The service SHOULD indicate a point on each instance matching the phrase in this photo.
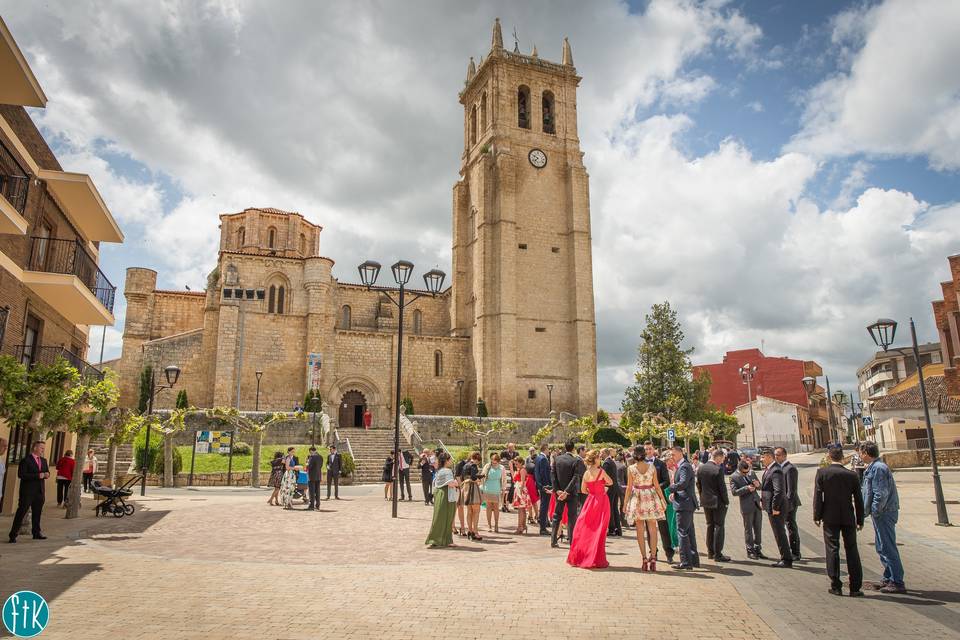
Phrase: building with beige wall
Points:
(518, 316)
(51, 225)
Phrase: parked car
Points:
(754, 454)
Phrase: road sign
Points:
(867, 421)
(671, 435)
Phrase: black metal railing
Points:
(4, 314)
(31, 355)
(69, 257)
(14, 181)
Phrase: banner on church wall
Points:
(314, 363)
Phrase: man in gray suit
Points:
(683, 494)
(334, 465)
(745, 484)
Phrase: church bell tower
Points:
(523, 271)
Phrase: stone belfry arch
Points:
(522, 260)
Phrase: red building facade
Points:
(778, 378)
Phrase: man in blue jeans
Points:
(881, 501)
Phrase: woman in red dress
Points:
(589, 537)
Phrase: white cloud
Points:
(901, 93)
(685, 91)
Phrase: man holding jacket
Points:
(745, 485)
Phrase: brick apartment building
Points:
(946, 313)
(51, 225)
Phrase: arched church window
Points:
(523, 107)
(483, 112)
(278, 289)
(549, 117)
(438, 363)
(473, 125)
(303, 244)
(241, 237)
(271, 238)
(280, 298)
(345, 319)
(417, 322)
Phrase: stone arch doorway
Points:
(352, 406)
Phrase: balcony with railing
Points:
(31, 355)
(14, 183)
(884, 375)
(69, 280)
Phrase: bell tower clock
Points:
(522, 261)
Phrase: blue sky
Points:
(782, 172)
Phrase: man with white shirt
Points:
(791, 478)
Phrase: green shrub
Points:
(145, 378)
(240, 448)
(408, 405)
(182, 402)
(312, 402)
(156, 453)
(609, 434)
(347, 465)
(463, 454)
(482, 408)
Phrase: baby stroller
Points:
(300, 493)
(112, 498)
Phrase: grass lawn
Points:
(216, 463)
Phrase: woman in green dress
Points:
(671, 513)
(445, 497)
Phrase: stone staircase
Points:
(124, 457)
(370, 449)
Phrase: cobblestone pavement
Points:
(219, 563)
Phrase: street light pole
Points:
(834, 433)
(433, 279)
(259, 375)
(460, 397)
(550, 401)
(747, 373)
(883, 332)
(172, 373)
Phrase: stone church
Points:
(516, 326)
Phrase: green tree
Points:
(312, 402)
(146, 375)
(182, 402)
(483, 430)
(256, 426)
(481, 408)
(121, 427)
(663, 382)
(86, 407)
(407, 404)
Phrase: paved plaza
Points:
(219, 563)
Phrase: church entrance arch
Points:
(352, 406)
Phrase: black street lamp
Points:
(550, 399)
(259, 375)
(172, 374)
(883, 332)
(460, 399)
(747, 374)
(433, 280)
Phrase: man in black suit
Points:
(404, 476)
(714, 500)
(334, 467)
(745, 485)
(542, 475)
(32, 471)
(774, 499)
(314, 473)
(838, 505)
(663, 479)
(613, 494)
(791, 478)
(565, 477)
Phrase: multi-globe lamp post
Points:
(433, 282)
(883, 332)
(172, 374)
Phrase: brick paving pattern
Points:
(219, 563)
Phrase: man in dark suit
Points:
(745, 485)
(774, 498)
(568, 470)
(314, 474)
(613, 494)
(791, 478)
(838, 506)
(684, 497)
(715, 500)
(541, 474)
(32, 471)
(663, 479)
(334, 467)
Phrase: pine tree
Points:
(145, 376)
(663, 382)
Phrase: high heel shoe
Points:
(653, 564)
(646, 565)
(470, 535)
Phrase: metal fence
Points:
(69, 257)
(918, 443)
(14, 181)
(31, 355)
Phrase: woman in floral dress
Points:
(645, 505)
(289, 483)
(277, 467)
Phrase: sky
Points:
(782, 172)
